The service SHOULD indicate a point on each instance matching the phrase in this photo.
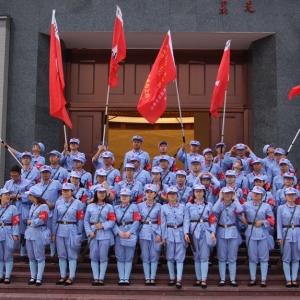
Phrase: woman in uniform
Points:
(150, 233)
(259, 217)
(288, 235)
(226, 209)
(200, 222)
(172, 215)
(67, 230)
(9, 234)
(37, 235)
(125, 230)
(98, 221)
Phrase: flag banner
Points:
(153, 100)
(221, 82)
(56, 77)
(294, 92)
(118, 51)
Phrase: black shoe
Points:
(126, 282)
(203, 284)
(95, 283)
(233, 283)
(61, 281)
(221, 283)
(31, 281)
(289, 284)
(152, 282)
(197, 283)
(263, 284)
(38, 282)
(121, 282)
(252, 283)
(171, 283)
(6, 281)
(295, 284)
(24, 260)
(1, 280)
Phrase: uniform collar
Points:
(179, 188)
(67, 201)
(103, 204)
(137, 151)
(5, 206)
(44, 183)
(199, 203)
(126, 205)
(171, 205)
(26, 170)
(131, 182)
(290, 206)
(147, 204)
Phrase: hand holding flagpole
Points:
(11, 153)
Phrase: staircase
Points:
(82, 288)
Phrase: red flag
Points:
(221, 82)
(153, 100)
(56, 77)
(118, 51)
(294, 91)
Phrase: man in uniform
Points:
(187, 158)
(18, 186)
(113, 175)
(270, 158)
(37, 148)
(163, 150)
(28, 172)
(144, 156)
(257, 164)
(167, 177)
(139, 174)
(240, 150)
(57, 172)
(209, 166)
(193, 177)
(97, 160)
(86, 177)
(67, 156)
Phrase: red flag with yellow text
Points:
(221, 82)
(118, 51)
(56, 77)
(153, 100)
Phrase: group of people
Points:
(208, 205)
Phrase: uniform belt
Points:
(94, 223)
(174, 226)
(124, 223)
(150, 222)
(291, 226)
(200, 221)
(65, 223)
(5, 224)
(226, 226)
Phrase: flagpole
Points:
(12, 154)
(293, 142)
(65, 133)
(181, 124)
(223, 121)
(105, 116)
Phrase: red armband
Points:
(80, 215)
(137, 216)
(84, 198)
(159, 220)
(38, 180)
(294, 172)
(111, 216)
(165, 194)
(89, 184)
(117, 179)
(15, 220)
(65, 180)
(148, 167)
(212, 219)
(215, 192)
(297, 187)
(251, 163)
(271, 220)
(242, 201)
(139, 198)
(190, 198)
(174, 168)
(43, 215)
(245, 192)
(38, 166)
(221, 175)
(297, 201)
(271, 202)
(113, 192)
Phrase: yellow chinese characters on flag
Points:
(153, 100)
